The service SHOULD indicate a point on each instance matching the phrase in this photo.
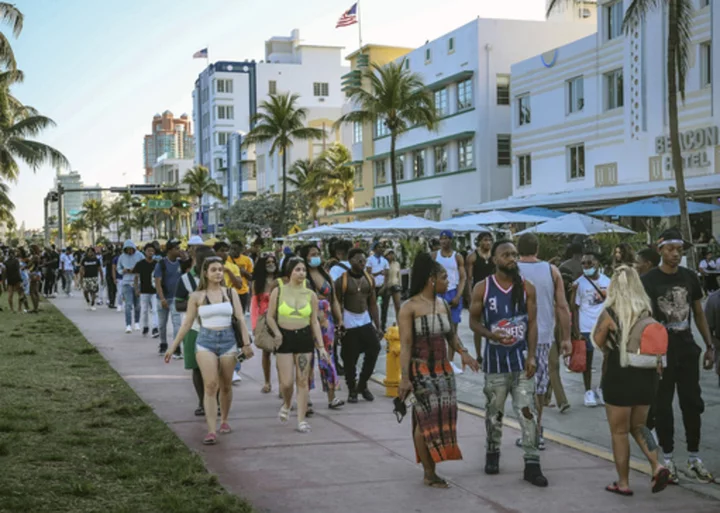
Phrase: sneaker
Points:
(455, 368)
(119, 308)
(100, 302)
(590, 400)
(92, 309)
(137, 326)
(367, 395)
(162, 349)
(672, 468)
(696, 470)
(492, 463)
(128, 329)
(564, 407)
(352, 398)
(155, 333)
(145, 331)
(533, 474)
(599, 397)
(236, 378)
(88, 307)
(177, 356)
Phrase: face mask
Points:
(589, 272)
(315, 261)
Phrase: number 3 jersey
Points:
(500, 314)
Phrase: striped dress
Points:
(435, 412)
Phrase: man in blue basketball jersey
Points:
(504, 312)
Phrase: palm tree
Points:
(142, 218)
(341, 179)
(679, 39)
(6, 204)
(12, 16)
(399, 99)
(95, 215)
(198, 178)
(308, 177)
(117, 211)
(281, 122)
(76, 229)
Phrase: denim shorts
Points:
(219, 342)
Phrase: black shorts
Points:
(296, 341)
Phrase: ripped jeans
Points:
(522, 390)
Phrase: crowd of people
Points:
(331, 307)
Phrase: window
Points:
(399, 167)
(249, 171)
(428, 56)
(441, 163)
(451, 45)
(357, 132)
(704, 3)
(222, 138)
(441, 102)
(321, 89)
(380, 172)
(705, 64)
(614, 19)
(523, 103)
(272, 87)
(524, 170)
(407, 63)
(503, 89)
(504, 151)
(224, 86)
(576, 156)
(359, 176)
(225, 112)
(575, 95)
(465, 154)
(419, 164)
(381, 130)
(219, 163)
(614, 89)
(465, 94)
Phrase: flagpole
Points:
(359, 26)
(207, 55)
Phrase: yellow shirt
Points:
(233, 269)
(246, 264)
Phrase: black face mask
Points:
(400, 410)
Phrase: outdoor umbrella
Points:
(318, 232)
(575, 224)
(542, 212)
(654, 207)
(406, 225)
(493, 217)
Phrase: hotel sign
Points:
(694, 145)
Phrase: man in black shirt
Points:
(478, 266)
(91, 276)
(676, 296)
(145, 290)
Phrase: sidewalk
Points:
(358, 459)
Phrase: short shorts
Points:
(219, 342)
(455, 313)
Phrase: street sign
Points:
(159, 203)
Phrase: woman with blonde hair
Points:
(628, 390)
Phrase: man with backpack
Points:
(167, 275)
(676, 297)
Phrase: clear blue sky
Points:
(101, 68)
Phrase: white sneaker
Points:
(599, 397)
(92, 308)
(455, 368)
(137, 326)
(236, 378)
(696, 470)
(128, 329)
(88, 308)
(590, 401)
(119, 308)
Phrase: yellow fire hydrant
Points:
(392, 363)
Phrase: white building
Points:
(589, 119)
(242, 173)
(468, 157)
(170, 171)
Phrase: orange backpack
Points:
(647, 343)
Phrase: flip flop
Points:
(660, 480)
(613, 488)
(266, 389)
(436, 482)
(284, 414)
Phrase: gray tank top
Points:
(540, 275)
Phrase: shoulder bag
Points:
(265, 339)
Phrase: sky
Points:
(102, 69)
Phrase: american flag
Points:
(348, 18)
(201, 54)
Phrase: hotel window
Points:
(451, 45)
(503, 89)
(380, 172)
(321, 89)
(225, 112)
(381, 129)
(272, 87)
(441, 159)
(523, 105)
(575, 95)
(614, 20)
(705, 64)
(399, 167)
(441, 102)
(359, 176)
(504, 151)
(614, 89)
(428, 56)
(219, 164)
(224, 86)
(524, 170)
(576, 158)
(465, 154)
(419, 164)
(407, 63)
(222, 138)
(357, 132)
(465, 94)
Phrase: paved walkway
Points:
(358, 459)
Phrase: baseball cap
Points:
(446, 233)
(195, 240)
(172, 244)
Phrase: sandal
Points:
(436, 482)
(199, 412)
(614, 488)
(660, 480)
(336, 404)
(224, 428)
(284, 413)
(304, 427)
(210, 439)
(266, 389)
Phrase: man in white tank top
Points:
(455, 267)
(551, 304)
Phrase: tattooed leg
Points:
(302, 372)
(643, 436)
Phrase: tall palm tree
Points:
(117, 211)
(281, 122)
(677, 61)
(308, 177)
(174, 215)
(75, 230)
(399, 99)
(142, 219)
(6, 204)
(341, 175)
(198, 178)
(95, 215)
(10, 15)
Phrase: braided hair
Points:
(518, 285)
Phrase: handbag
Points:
(265, 339)
(235, 323)
(577, 361)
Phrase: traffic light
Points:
(138, 202)
(181, 204)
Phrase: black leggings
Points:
(356, 341)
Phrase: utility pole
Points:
(61, 215)
(45, 217)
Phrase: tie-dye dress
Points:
(328, 373)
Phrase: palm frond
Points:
(12, 16)
(637, 12)
(7, 56)
(35, 154)
(30, 126)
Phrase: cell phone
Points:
(241, 357)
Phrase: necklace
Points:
(357, 282)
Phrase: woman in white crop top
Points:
(215, 348)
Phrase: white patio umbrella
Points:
(402, 225)
(576, 224)
(316, 233)
(493, 217)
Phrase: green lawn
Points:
(75, 438)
